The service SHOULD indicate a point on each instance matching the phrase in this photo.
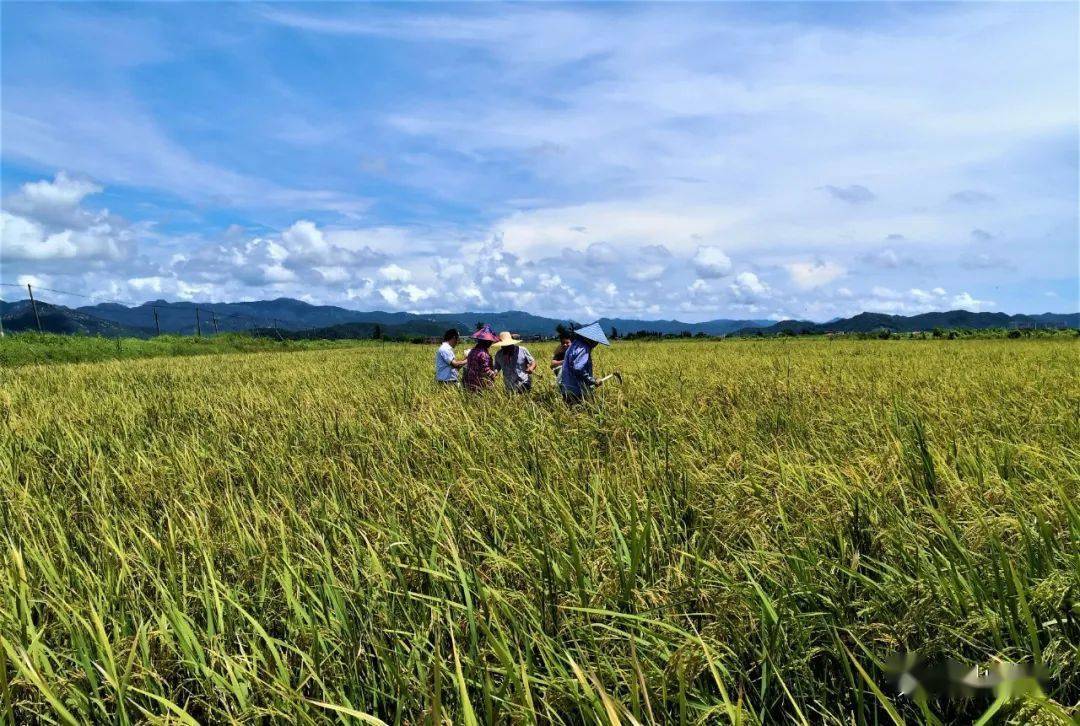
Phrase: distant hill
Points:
(289, 314)
(295, 318)
(953, 319)
(19, 316)
(674, 327)
(179, 317)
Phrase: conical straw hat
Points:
(593, 332)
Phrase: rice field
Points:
(744, 532)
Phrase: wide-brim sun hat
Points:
(485, 333)
(506, 339)
(593, 332)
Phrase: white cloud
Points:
(334, 274)
(748, 288)
(390, 295)
(612, 228)
(34, 280)
(647, 273)
(305, 238)
(154, 284)
(55, 200)
(910, 302)
(43, 221)
(395, 273)
(810, 275)
(277, 273)
(417, 294)
(966, 302)
(920, 295)
(711, 262)
(549, 281)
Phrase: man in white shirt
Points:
(446, 364)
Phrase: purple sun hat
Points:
(485, 333)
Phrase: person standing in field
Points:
(446, 363)
(560, 352)
(479, 367)
(515, 362)
(577, 381)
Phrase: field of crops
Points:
(744, 531)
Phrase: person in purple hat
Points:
(479, 367)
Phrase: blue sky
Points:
(688, 161)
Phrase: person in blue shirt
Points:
(577, 380)
(446, 363)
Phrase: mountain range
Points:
(287, 314)
(296, 318)
(953, 319)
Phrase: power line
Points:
(256, 322)
(267, 324)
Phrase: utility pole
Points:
(198, 323)
(33, 304)
(157, 323)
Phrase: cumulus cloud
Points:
(395, 273)
(612, 227)
(53, 202)
(416, 269)
(390, 295)
(965, 301)
(45, 221)
(748, 288)
(810, 275)
(924, 296)
(918, 300)
(417, 294)
(852, 194)
(903, 302)
(711, 262)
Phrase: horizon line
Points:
(771, 321)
